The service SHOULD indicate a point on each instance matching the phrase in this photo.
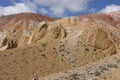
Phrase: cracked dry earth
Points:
(105, 69)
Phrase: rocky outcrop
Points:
(69, 30)
(43, 30)
(90, 41)
(8, 40)
(3, 45)
(50, 47)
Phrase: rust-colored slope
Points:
(23, 20)
(111, 18)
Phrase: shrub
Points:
(112, 66)
(94, 50)
(86, 49)
(97, 73)
(103, 68)
(43, 55)
(44, 44)
(75, 76)
(118, 61)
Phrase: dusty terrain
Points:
(104, 69)
(72, 48)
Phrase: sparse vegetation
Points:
(118, 61)
(112, 66)
(61, 48)
(75, 76)
(26, 62)
(24, 49)
(77, 42)
(86, 49)
(44, 45)
(62, 56)
(94, 49)
(97, 73)
(43, 55)
(40, 50)
(103, 68)
(5, 55)
(11, 53)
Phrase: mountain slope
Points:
(53, 46)
(104, 69)
(23, 20)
